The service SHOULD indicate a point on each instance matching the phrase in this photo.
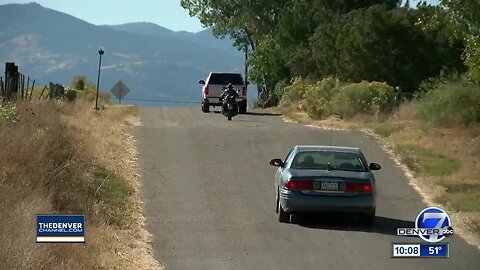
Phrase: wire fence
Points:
(15, 85)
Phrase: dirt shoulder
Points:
(441, 163)
(65, 158)
(129, 246)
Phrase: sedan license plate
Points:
(329, 186)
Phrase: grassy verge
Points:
(67, 158)
(427, 161)
(443, 159)
(387, 129)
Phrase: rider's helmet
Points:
(230, 86)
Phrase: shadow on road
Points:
(263, 114)
(344, 222)
(254, 113)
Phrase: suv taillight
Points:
(205, 90)
(299, 185)
(244, 91)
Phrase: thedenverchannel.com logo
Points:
(432, 225)
(60, 229)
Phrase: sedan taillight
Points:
(358, 187)
(299, 185)
(206, 90)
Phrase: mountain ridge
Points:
(151, 29)
(54, 46)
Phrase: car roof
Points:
(215, 72)
(343, 149)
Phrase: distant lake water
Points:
(142, 102)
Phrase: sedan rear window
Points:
(226, 78)
(319, 160)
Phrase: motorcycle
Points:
(229, 107)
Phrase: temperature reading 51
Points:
(434, 250)
(415, 250)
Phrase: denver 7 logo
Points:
(437, 220)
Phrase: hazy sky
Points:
(167, 13)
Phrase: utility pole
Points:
(100, 52)
(246, 65)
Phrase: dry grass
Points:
(441, 160)
(53, 161)
(293, 113)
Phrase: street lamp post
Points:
(100, 52)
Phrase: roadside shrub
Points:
(318, 98)
(364, 98)
(294, 92)
(90, 95)
(8, 113)
(450, 104)
(256, 105)
(71, 95)
(280, 89)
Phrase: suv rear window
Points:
(225, 78)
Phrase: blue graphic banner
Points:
(61, 228)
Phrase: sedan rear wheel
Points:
(278, 203)
(369, 219)
(283, 217)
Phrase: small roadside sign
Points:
(120, 90)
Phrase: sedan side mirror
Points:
(375, 166)
(201, 82)
(276, 162)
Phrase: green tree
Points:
(269, 65)
(383, 44)
(296, 25)
(448, 36)
(323, 46)
(245, 21)
(467, 14)
(300, 20)
(355, 40)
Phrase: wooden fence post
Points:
(23, 85)
(28, 86)
(21, 79)
(31, 92)
(2, 89)
(41, 95)
(7, 88)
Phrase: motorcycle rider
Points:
(229, 90)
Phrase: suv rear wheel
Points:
(205, 107)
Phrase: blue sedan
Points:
(316, 178)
